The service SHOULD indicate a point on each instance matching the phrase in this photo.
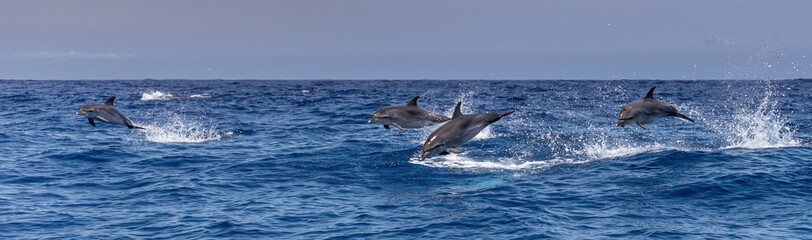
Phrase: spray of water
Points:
(759, 126)
(177, 129)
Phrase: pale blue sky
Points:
(414, 39)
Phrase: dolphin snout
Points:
(371, 121)
(424, 156)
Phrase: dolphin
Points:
(647, 110)
(105, 113)
(406, 116)
(460, 130)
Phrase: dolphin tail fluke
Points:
(507, 113)
(679, 115)
(136, 127)
(494, 119)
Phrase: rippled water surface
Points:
(264, 159)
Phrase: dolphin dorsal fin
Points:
(413, 102)
(110, 101)
(457, 111)
(650, 93)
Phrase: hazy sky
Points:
(407, 39)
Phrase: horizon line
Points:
(392, 79)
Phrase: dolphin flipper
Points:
(399, 127)
(386, 126)
(455, 150)
(642, 126)
(91, 122)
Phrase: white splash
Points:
(178, 130)
(759, 127)
(156, 95)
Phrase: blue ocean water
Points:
(263, 159)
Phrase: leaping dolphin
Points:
(408, 116)
(647, 110)
(460, 130)
(105, 113)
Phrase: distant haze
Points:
(411, 39)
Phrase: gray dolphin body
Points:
(105, 113)
(407, 116)
(460, 130)
(647, 110)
